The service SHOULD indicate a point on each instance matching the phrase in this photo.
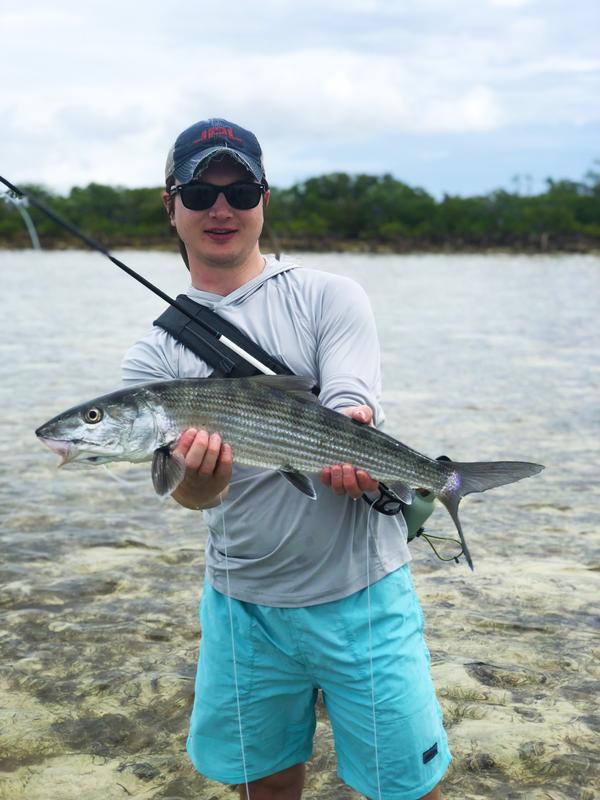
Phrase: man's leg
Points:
(284, 785)
(404, 752)
(434, 794)
(288, 785)
(265, 727)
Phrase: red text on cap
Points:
(212, 133)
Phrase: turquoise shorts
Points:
(283, 656)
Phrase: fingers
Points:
(204, 453)
(184, 442)
(366, 482)
(344, 479)
(225, 463)
(362, 413)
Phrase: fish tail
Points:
(478, 476)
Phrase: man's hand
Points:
(344, 478)
(208, 462)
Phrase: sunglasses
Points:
(199, 196)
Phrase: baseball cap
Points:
(196, 145)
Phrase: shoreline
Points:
(340, 246)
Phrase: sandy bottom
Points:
(99, 639)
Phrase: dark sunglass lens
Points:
(201, 196)
(243, 195)
(198, 196)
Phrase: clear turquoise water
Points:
(484, 357)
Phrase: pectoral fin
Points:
(299, 481)
(167, 471)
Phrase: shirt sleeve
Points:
(348, 353)
(148, 360)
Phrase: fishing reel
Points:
(389, 504)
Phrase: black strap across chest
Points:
(204, 334)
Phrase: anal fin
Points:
(402, 492)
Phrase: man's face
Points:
(220, 236)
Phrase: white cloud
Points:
(510, 3)
(97, 91)
(477, 109)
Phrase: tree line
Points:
(339, 211)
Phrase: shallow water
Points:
(484, 357)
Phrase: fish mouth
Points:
(62, 448)
(73, 455)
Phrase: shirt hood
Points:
(216, 301)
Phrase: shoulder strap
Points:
(217, 341)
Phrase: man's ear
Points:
(267, 197)
(169, 205)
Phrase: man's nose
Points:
(220, 207)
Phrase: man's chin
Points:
(223, 259)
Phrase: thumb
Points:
(363, 414)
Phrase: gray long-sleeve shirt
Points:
(284, 549)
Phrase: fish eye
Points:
(93, 415)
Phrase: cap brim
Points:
(196, 163)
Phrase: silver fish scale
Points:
(272, 429)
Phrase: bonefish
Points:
(273, 422)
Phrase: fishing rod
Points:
(386, 495)
(95, 245)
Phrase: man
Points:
(299, 595)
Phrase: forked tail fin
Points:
(478, 476)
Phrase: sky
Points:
(453, 96)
